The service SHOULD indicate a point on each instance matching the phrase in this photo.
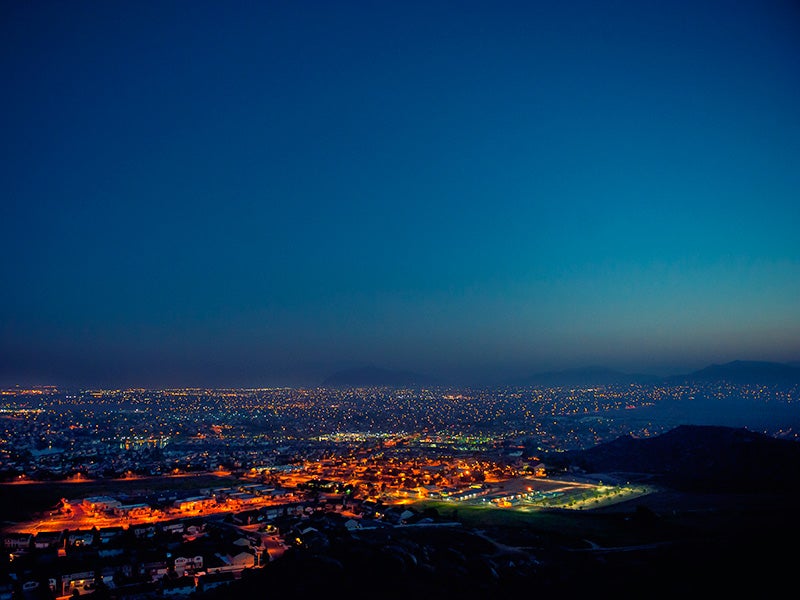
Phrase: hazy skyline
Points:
(205, 194)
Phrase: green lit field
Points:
(560, 518)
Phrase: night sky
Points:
(261, 193)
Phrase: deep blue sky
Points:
(211, 193)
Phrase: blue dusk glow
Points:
(205, 193)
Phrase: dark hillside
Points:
(698, 457)
(676, 543)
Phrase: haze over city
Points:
(264, 194)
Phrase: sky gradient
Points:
(197, 193)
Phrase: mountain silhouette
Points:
(743, 372)
(747, 372)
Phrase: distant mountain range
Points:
(743, 372)
(372, 376)
(697, 457)
(736, 372)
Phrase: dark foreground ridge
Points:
(721, 530)
(715, 511)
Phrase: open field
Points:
(524, 527)
(661, 516)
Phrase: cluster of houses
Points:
(226, 499)
(184, 555)
(152, 559)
